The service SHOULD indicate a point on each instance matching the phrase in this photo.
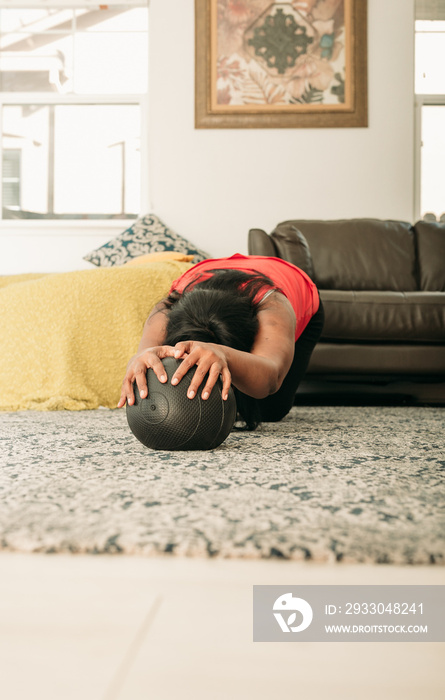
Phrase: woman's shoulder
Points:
(275, 302)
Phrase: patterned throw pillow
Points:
(146, 235)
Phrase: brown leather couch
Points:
(383, 289)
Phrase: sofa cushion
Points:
(359, 254)
(367, 359)
(293, 247)
(414, 317)
(431, 253)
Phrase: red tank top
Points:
(295, 284)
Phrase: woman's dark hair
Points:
(220, 309)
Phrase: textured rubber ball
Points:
(168, 420)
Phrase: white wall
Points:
(57, 247)
(212, 185)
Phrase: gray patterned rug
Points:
(353, 484)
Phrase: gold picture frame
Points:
(295, 64)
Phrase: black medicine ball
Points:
(168, 420)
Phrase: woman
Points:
(253, 320)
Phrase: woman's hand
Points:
(208, 358)
(137, 371)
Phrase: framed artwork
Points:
(264, 64)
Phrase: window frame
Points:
(54, 98)
(421, 101)
(51, 98)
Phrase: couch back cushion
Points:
(292, 246)
(431, 253)
(358, 254)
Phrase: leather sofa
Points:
(382, 284)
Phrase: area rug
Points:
(345, 484)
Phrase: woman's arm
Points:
(149, 354)
(262, 371)
(257, 373)
(155, 327)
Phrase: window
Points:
(430, 109)
(73, 92)
(11, 178)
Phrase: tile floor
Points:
(129, 628)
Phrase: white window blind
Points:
(430, 10)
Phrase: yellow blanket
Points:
(65, 339)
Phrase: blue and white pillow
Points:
(147, 235)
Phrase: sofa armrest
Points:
(260, 243)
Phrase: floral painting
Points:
(298, 57)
